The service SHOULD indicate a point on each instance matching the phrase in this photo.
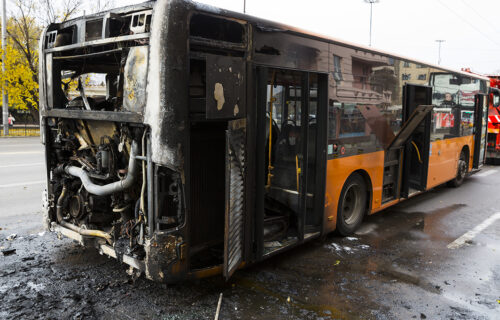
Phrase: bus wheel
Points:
(461, 171)
(352, 205)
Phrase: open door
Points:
(480, 129)
(416, 150)
(409, 126)
(235, 196)
(291, 157)
(394, 161)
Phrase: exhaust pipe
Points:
(109, 188)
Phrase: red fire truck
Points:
(493, 146)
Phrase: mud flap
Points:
(235, 193)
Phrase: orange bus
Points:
(199, 140)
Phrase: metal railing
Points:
(22, 130)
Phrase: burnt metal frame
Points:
(304, 124)
(261, 100)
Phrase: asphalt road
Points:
(435, 256)
(22, 171)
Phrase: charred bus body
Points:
(216, 139)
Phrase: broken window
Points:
(209, 27)
(93, 30)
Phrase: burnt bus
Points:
(187, 141)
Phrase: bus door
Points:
(394, 164)
(480, 129)
(291, 157)
(416, 149)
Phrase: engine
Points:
(96, 179)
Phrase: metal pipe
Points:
(5, 95)
(109, 188)
(59, 204)
(86, 232)
(150, 188)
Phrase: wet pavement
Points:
(398, 266)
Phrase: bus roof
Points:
(272, 25)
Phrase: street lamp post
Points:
(244, 6)
(5, 98)
(371, 2)
(439, 50)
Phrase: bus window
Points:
(349, 130)
(453, 95)
(496, 99)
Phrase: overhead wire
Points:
(467, 22)
(479, 15)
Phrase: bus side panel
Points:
(443, 159)
(337, 172)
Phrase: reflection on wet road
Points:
(398, 266)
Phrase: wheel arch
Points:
(466, 150)
(369, 187)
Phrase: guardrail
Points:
(22, 130)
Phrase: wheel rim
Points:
(461, 169)
(351, 204)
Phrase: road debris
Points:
(7, 249)
(12, 237)
(218, 307)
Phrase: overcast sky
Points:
(470, 28)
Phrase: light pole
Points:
(371, 2)
(439, 50)
(5, 98)
(244, 6)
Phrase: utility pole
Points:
(439, 50)
(5, 97)
(371, 2)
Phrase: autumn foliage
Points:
(27, 19)
(21, 79)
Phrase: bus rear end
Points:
(93, 93)
(139, 163)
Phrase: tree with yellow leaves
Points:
(22, 82)
(21, 63)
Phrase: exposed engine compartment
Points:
(97, 182)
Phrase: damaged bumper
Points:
(162, 261)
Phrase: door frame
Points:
(260, 83)
(410, 103)
(480, 118)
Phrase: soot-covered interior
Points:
(207, 172)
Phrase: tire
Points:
(461, 172)
(352, 205)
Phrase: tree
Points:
(22, 84)
(59, 11)
(24, 29)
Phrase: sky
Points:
(403, 27)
